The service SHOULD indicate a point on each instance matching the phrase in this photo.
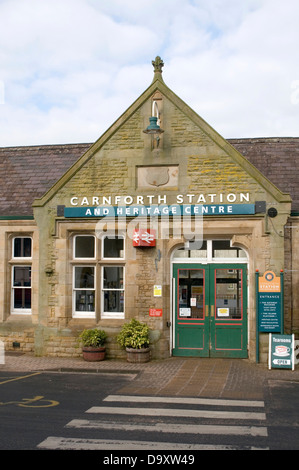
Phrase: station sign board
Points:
(269, 303)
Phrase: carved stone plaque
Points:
(157, 176)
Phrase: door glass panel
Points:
(199, 253)
(222, 249)
(228, 294)
(191, 293)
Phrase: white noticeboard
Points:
(185, 312)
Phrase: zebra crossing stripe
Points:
(176, 429)
(68, 443)
(202, 410)
(186, 413)
(184, 400)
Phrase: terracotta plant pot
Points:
(138, 355)
(91, 353)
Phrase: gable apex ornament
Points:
(158, 64)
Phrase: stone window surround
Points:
(11, 262)
(98, 262)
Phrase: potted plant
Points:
(134, 338)
(93, 348)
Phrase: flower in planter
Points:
(93, 337)
(93, 348)
(134, 335)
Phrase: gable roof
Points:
(29, 172)
(33, 175)
(159, 85)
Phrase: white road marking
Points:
(214, 414)
(175, 429)
(184, 400)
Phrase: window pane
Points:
(84, 246)
(22, 276)
(113, 301)
(22, 247)
(222, 249)
(84, 277)
(113, 277)
(191, 293)
(113, 247)
(201, 252)
(193, 253)
(228, 293)
(21, 298)
(85, 301)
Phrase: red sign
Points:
(144, 237)
(155, 312)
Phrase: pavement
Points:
(175, 376)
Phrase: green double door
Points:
(210, 303)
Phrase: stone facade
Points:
(206, 166)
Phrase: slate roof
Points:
(278, 160)
(26, 173)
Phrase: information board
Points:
(269, 312)
(281, 351)
(269, 303)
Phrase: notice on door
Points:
(185, 312)
(222, 312)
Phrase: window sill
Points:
(84, 315)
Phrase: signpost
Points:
(281, 351)
(269, 304)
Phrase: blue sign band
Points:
(160, 210)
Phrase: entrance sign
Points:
(281, 351)
(269, 303)
(269, 312)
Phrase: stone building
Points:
(161, 219)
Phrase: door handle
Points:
(212, 311)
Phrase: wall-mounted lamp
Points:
(154, 128)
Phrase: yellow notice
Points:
(157, 291)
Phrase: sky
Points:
(70, 68)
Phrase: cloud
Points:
(69, 68)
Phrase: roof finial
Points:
(158, 64)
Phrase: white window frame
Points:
(20, 311)
(83, 313)
(104, 314)
(209, 259)
(74, 247)
(20, 262)
(112, 236)
(13, 248)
